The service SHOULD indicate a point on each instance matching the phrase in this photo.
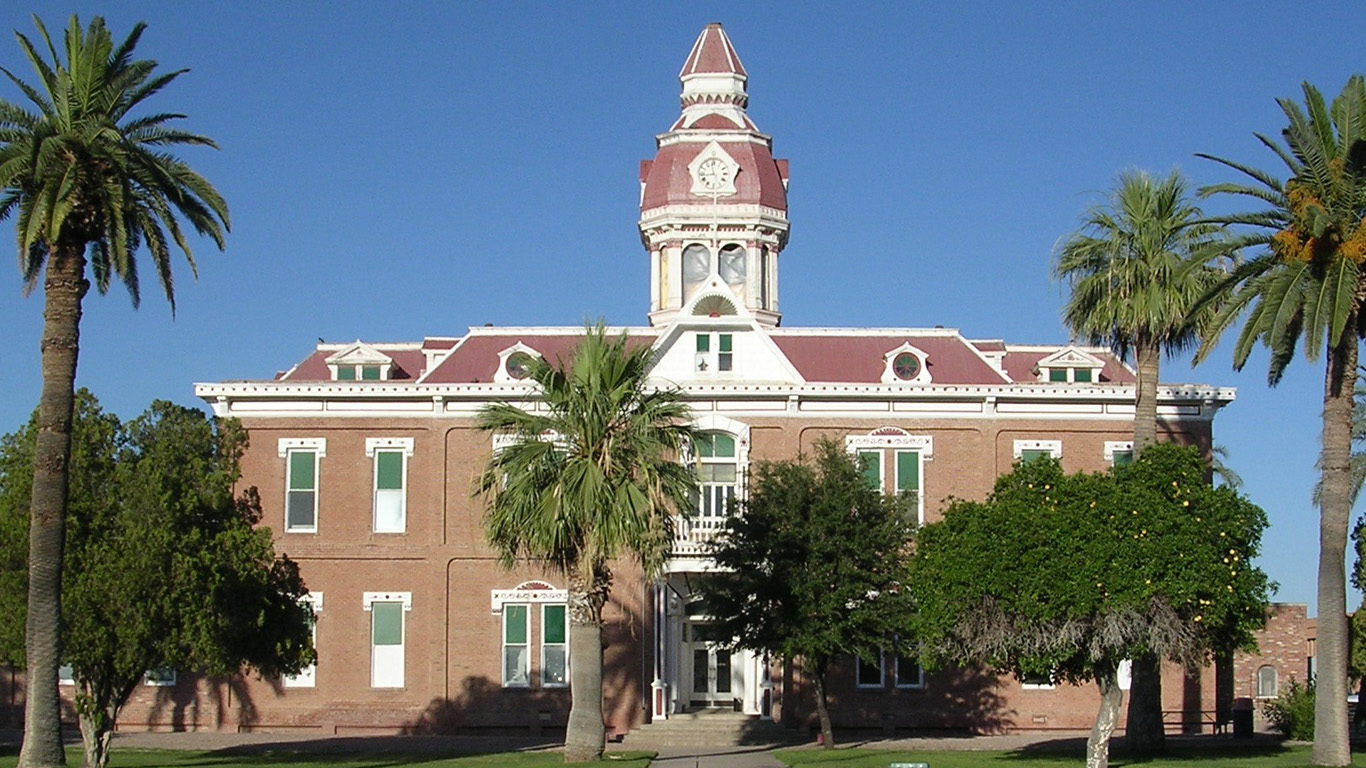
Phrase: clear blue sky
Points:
(398, 170)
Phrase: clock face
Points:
(713, 173)
(696, 264)
(732, 266)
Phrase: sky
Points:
(410, 169)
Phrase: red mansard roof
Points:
(860, 359)
(1022, 364)
(476, 359)
(408, 365)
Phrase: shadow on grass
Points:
(1179, 750)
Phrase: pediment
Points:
(359, 353)
(1071, 357)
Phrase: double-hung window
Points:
(715, 352)
(301, 457)
(905, 478)
(307, 677)
(908, 671)
(390, 456)
(387, 631)
(518, 647)
(1033, 450)
(554, 645)
(718, 472)
(870, 673)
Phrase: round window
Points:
(906, 366)
(519, 365)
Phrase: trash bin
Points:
(1242, 718)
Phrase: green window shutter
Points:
(724, 342)
(553, 631)
(703, 342)
(1028, 456)
(706, 445)
(514, 624)
(723, 446)
(1057, 374)
(389, 470)
(369, 372)
(870, 464)
(1123, 458)
(907, 471)
(1082, 374)
(346, 373)
(387, 623)
(301, 470)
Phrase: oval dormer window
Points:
(906, 366)
(519, 365)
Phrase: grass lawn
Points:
(159, 758)
(1272, 756)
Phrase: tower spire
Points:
(713, 201)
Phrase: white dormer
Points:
(514, 363)
(906, 364)
(360, 362)
(1070, 365)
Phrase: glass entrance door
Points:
(711, 670)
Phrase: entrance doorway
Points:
(712, 678)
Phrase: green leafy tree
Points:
(1069, 575)
(89, 183)
(1133, 280)
(593, 475)
(165, 567)
(814, 567)
(1305, 283)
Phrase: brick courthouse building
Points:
(364, 455)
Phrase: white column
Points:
(659, 692)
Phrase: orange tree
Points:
(1068, 575)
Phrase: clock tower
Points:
(713, 201)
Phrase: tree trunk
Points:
(822, 706)
(1111, 699)
(1331, 745)
(97, 731)
(1144, 733)
(1147, 357)
(586, 736)
(63, 289)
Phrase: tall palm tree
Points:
(1132, 287)
(89, 184)
(592, 476)
(1306, 283)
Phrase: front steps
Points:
(710, 728)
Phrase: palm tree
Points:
(88, 185)
(592, 476)
(1133, 289)
(1305, 281)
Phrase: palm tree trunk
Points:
(586, 736)
(1331, 745)
(1143, 732)
(1147, 356)
(1111, 699)
(63, 290)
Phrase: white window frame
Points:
(709, 363)
(288, 446)
(896, 674)
(565, 645)
(1041, 686)
(159, 677)
(1113, 447)
(308, 676)
(404, 447)
(881, 668)
(887, 441)
(405, 599)
(1275, 682)
(1053, 447)
(504, 645)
